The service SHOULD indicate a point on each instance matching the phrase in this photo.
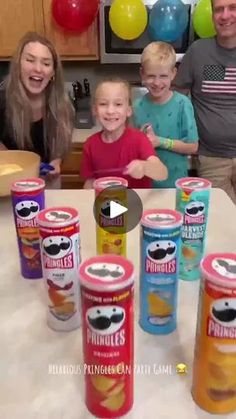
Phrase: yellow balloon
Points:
(128, 18)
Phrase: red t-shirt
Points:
(100, 156)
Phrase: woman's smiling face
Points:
(36, 68)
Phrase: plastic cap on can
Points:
(161, 218)
(106, 273)
(193, 183)
(28, 185)
(220, 269)
(57, 216)
(109, 181)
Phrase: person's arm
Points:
(147, 164)
(2, 119)
(184, 78)
(171, 144)
(3, 147)
(188, 141)
(155, 169)
(152, 168)
(88, 184)
(56, 163)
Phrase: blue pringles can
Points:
(160, 246)
(192, 200)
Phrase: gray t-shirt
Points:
(209, 71)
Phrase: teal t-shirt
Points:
(173, 119)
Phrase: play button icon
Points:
(117, 209)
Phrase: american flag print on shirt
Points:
(219, 79)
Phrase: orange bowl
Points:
(16, 165)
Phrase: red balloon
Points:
(75, 15)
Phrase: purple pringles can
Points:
(27, 201)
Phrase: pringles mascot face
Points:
(105, 320)
(162, 251)
(27, 210)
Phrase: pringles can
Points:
(160, 245)
(192, 200)
(107, 288)
(27, 200)
(110, 231)
(214, 367)
(59, 231)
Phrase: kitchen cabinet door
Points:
(17, 18)
(69, 44)
(70, 171)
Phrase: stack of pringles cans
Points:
(100, 290)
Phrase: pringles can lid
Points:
(161, 218)
(58, 217)
(106, 273)
(193, 183)
(108, 182)
(220, 269)
(27, 185)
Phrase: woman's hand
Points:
(57, 168)
(135, 169)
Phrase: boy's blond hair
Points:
(158, 53)
(115, 80)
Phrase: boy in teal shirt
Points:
(166, 116)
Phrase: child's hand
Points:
(151, 136)
(144, 127)
(135, 169)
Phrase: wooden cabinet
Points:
(18, 17)
(70, 177)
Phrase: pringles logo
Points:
(105, 325)
(26, 212)
(105, 213)
(194, 213)
(56, 252)
(222, 320)
(194, 221)
(161, 257)
(105, 322)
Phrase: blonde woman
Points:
(35, 111)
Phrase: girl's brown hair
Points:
(58, 111)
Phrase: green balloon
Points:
(202, 19)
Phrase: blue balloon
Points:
(168, 20)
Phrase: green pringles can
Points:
(192, 200)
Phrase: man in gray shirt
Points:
(208, 70)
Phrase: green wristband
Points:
(166, 143)
(171, 145)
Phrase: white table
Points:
(28, 347)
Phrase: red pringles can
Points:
(60, 254)
(27, 201)
(107, 286)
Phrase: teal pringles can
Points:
(159, 247)
(192, 200)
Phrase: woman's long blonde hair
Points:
(58, 111)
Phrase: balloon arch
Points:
(128, 19)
